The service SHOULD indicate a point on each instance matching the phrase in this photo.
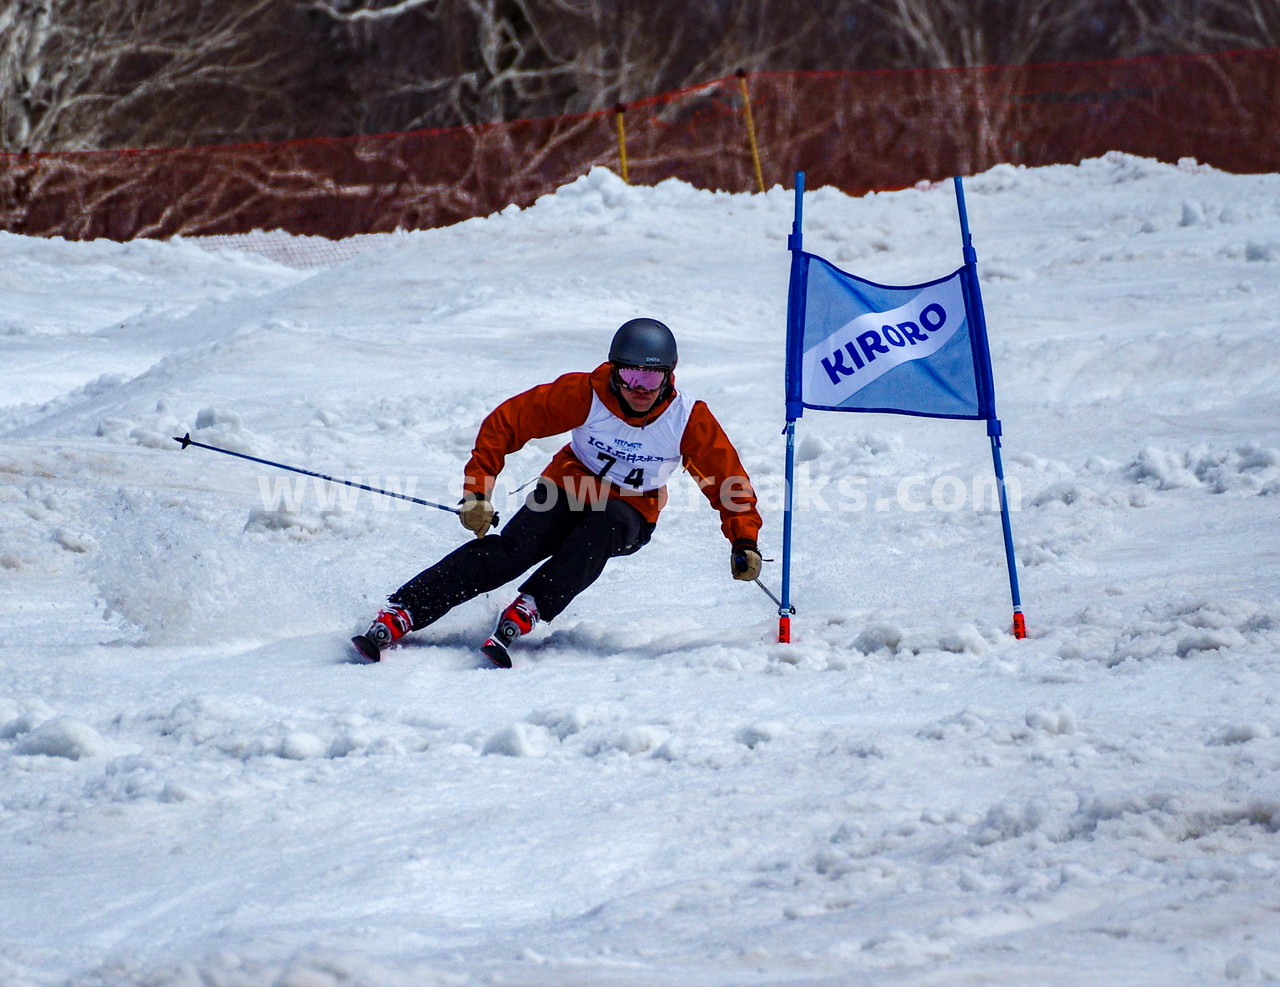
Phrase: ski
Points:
(367, 648)
(496, 652)
(492, 649)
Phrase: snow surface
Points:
(200, 788)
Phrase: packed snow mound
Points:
(201, 786)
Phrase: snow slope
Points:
(199, 786)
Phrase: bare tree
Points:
(85, 74)
(670, 45)
(423, 63)
(451, 62)
(1192, 26)
(955, 33)
(82, 74)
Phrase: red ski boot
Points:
(387, 628)
(518, 619)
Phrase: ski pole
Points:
(187, 440)
(769, 593)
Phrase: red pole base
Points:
(784, 630)
(1019, 625)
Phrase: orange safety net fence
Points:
(857, 131)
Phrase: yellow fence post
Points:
(619, 113)
(751, 129)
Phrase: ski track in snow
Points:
(201, 788)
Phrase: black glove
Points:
(744, 559)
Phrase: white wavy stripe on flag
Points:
(869, 346)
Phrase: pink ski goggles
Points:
(639, 379)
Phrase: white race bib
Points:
(640, 459)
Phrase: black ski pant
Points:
(572, 541)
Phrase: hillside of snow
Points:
(199, 786)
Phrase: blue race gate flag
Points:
(906, 350)
(921, 349)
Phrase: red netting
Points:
(855, 130)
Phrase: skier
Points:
(599, 497)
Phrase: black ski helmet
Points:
(643, 343)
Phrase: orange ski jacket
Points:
(565, 403)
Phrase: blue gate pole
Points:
(795, 333)
(1019, 621)
(785, 610)
(987, 397)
